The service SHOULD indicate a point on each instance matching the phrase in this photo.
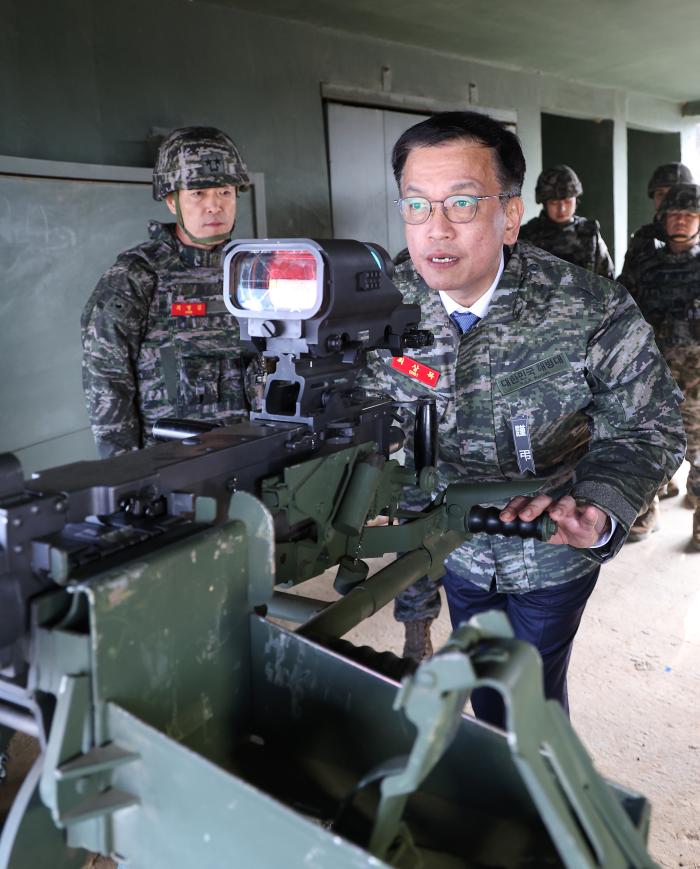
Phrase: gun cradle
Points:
(176, 720)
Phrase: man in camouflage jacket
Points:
(562, 232)
(667, 290)
(157, 339)
(558, 375)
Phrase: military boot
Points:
(418, 645)
(670, 490)
(695, 539)
(645, 524)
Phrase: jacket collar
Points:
(193, 257)
(523, 293)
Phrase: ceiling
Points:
(634, 45)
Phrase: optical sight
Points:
(316, 307)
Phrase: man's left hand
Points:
(579, 524)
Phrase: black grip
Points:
(425, 435)
(485, 520)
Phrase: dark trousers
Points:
(547, 617)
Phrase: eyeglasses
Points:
(461, 208)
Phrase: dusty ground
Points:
(634, 681)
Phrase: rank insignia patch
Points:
(188, 309)
(415, 370)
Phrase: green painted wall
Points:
(586, 146)
(85, 80)
(646, 151)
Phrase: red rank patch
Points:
(416, 370)
(188, 309)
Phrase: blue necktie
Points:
(464, 320)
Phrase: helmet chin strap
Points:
(209, 239)
(683, 237)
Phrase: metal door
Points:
(363, 190)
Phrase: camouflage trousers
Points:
(684, 363)
(691, 421)
(419, 601)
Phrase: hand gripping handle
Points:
(485, 520)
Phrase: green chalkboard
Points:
(57, 236)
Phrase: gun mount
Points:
(176, 719)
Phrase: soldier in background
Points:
(559, 230)
(644, 244)
(645, 241)
(667, 290)
(157, 339)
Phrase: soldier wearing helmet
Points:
(663, 178)
(647, 239)
(157, 340)
(559, 230)
(668, 294)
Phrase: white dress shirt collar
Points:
(481, 306)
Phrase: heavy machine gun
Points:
(180, 726)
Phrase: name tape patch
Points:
(415, 370)
(188, 309)
(557, 363)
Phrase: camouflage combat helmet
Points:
(558, 182)
(681, 197)
(667, 175)
(193, 158)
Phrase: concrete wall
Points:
(85, 80)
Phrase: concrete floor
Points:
(634, 679)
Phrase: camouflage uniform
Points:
(157, 339)
(647, 240)
(145, 358)
(642, 250)
(667, 291)
(579, 241)
(571, 352)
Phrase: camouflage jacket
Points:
(578, 242)
(571, 352)
(642, 249)
(668, 294)
(158, 341)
